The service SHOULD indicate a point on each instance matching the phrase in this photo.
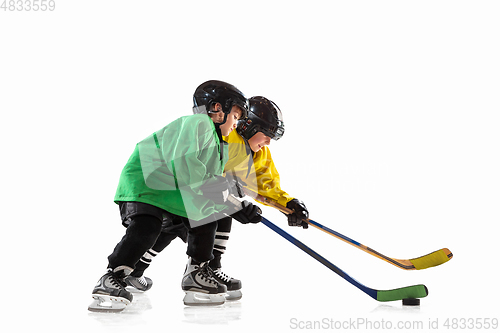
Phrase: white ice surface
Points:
(391, 112)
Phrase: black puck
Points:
(411, 301)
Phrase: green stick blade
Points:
(418, 291)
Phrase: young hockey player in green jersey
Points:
(175, 175)
(250, 164)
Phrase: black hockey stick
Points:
(412, 292)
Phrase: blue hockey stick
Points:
(417, 291)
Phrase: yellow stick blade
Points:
(432, 259)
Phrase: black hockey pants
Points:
(171, 232)
(144, 232)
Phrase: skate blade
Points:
(233, 295)
(200, 299)
(103, 303)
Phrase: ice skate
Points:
(142, 283)
(233, 285)
(200, 286)
(110, 294)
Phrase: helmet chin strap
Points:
(223, 122)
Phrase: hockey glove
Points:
(216, 189)
(300, 213)
(249, 213)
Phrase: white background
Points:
(392, 135)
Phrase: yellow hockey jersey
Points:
(257, 173)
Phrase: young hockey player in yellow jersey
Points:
(250, 166)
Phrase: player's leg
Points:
(110, 294)
(137, 279)
(198, 281)
(221, 238)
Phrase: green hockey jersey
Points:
(168, 168)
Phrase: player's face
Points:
(231, 121)
(258, 140)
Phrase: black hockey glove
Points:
(216, 189)
(300, 213)
(249, 213)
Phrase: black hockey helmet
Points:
(213, 91)
(263, 116)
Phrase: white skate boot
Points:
(109, 294)
(200, 286)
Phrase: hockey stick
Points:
(429, 260)
(412, 292)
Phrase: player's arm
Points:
(268, 184)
